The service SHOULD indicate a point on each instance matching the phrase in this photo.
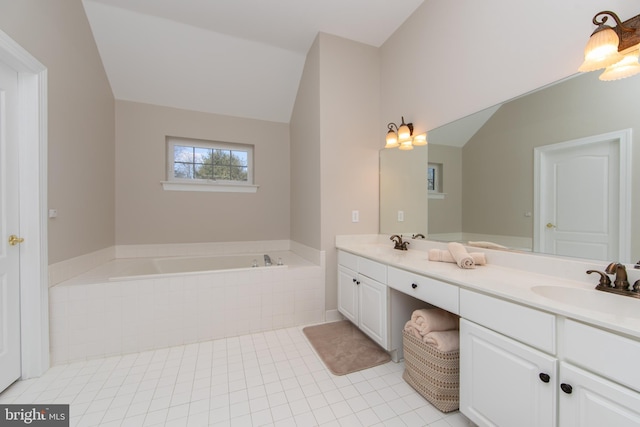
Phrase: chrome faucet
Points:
(267, 260)
(398, 243)
(620, 284)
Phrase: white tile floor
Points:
(270, 378)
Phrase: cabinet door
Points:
(373, 310)
(594, 401)
(500, 381)
(348, 294)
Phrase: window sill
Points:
(210, 186)
(436, 195)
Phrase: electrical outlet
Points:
(400, 216)
(355, 216)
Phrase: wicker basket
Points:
(432, 373)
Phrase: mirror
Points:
(486, 163)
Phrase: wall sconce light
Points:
(402, 136)
(615, 49)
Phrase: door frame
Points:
(623, 138)
(32, 142)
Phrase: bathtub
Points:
(137, 268)
(138, 304)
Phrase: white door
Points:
(9, 226)
(580, 200)
(503, 382)
(592, 401)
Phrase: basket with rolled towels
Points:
(431, 346)
(458, 254)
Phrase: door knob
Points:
(549, 225)
(14, 240)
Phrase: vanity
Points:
(539, 346)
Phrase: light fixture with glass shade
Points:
(402, 136)
(613, 48)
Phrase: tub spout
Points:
(267, 260)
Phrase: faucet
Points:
(620, 284)
(398, 243)
(419, 235)
(620, 281)
(267, 260)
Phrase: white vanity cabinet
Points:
(363, 295)
(608, 394)
(506, 381)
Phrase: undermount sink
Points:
(591, 299)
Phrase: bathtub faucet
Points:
(267, 260)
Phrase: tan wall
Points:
(497, 162)
(305, 154)
(81, 122)
(445, 215)
(350, 141)
(403, 187)
(147, 214)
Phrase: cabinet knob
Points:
(544, 377)
(358, 282)
(354, 280)
(566, 388)
(414, 285)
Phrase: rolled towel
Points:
(433, 319)
(444, 255)
(460, 254)
(443, 340)
(412, 328)
(487, 245)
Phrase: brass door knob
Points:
(549, 225)
(14, 240)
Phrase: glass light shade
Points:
(392, 140)
(601, 50)
(406, 145)
(627, 67)
(420, 139)
(404, 133)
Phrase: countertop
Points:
(514, 277)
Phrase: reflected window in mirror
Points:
(434, 179)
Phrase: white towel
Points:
(460, 254)
(443, 340)
(433, 319)
(443, 255)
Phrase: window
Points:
(198, 165)
(434, 180)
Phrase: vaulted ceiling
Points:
(240, 58)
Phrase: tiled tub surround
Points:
(93, 316)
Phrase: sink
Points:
(591, 299)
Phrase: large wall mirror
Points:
(572, 147)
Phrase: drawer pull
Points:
(566, 388)
(414, 285)
(544, 377)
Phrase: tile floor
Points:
(270, 378)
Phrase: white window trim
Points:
(181, 184)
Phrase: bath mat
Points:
(344, 348)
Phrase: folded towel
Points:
(413, 329)
(443, 340)
(444, 255)
(487, 245)
(433, 319)
(460, 254)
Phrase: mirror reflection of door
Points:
(581, 187)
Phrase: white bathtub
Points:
(138, 304)
(138, 268)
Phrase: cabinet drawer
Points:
(429, 290)
(524, 324)
(348, 260)
(605, 353)
(373, 270)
